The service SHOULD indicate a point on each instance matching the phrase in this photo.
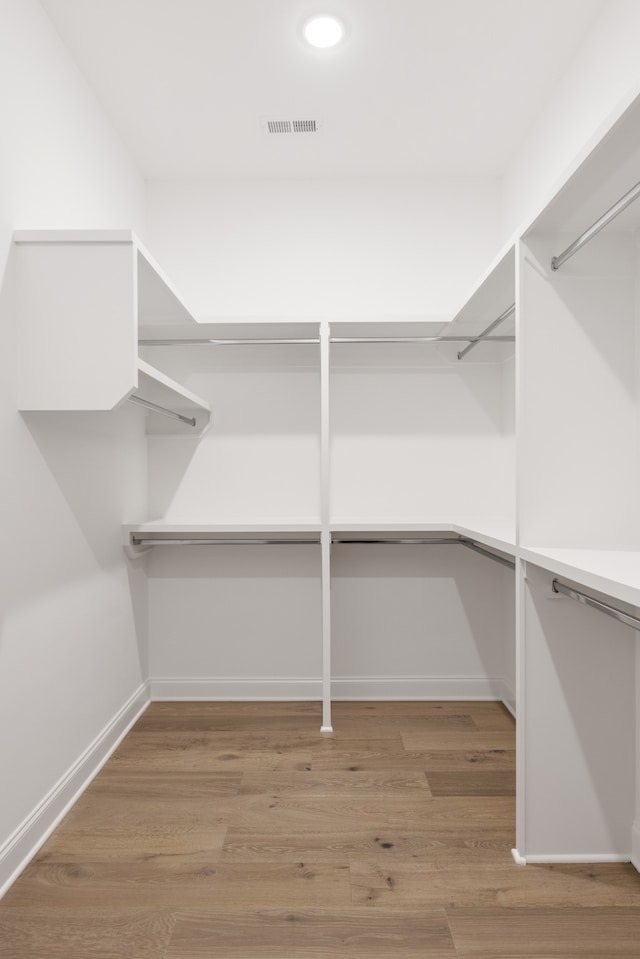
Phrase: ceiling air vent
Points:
(293, 126)
(305, 126)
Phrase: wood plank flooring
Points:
(238, 831)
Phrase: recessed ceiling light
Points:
(323, 32)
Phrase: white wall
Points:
(407, 423)
(338, 248)
(69, 650)
(603, 73)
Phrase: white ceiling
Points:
(419, 88)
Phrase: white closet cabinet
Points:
(579, 515)
(83, 295)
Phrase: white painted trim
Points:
(517, 858)
(635, 845)
(235, 689)
(418, 687)
(509, 697)
(580, 858)
(24, 843)
(343, 688)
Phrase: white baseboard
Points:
(21, 847)
(581, 858)
(417, 688)
(342, 688)
(509, 697)
(235, 689)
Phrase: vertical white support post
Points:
(325, 512)
(520, 838)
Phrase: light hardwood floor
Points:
(238, 831)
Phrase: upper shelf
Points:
(82, 295)
(237, 333)
(488, 312)
(607, 168)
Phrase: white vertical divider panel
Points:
(635, 830)
(579, 461)
(78, 334)
(520, 685)
(521, 701)
(578, 469)
(579, 730)
(325, 511)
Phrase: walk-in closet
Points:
(312, 423)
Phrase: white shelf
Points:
(158, 527)
(240, 332)
(82, 294)
(158, 388)
(491, 295)
(273, 532)
(615, 572)
(496, 533)
(343, 525)
(605, 170)
(388, 328)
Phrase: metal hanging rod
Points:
(334, 339)
(414, 339)
(470, 544)
(625, 618)
(408, 541)
(342, 540)
(141, 541)
(425, 541)
(595, 228)
(280, 341)
(189, 420)
(473, 341)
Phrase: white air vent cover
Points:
(293, 126)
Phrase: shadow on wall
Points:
(587, 663)
(419, 611)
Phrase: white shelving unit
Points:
(579, 515)
(82, 296)
(370, 351)
(378, 431)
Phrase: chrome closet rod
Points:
(189, 420)
(334, 339)
(435, 541)
(473, 341)
(408, 541)
(141, 541)
(625, 618)
(470, 544)
(248, 342)
(605, 219)
(414, 339)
